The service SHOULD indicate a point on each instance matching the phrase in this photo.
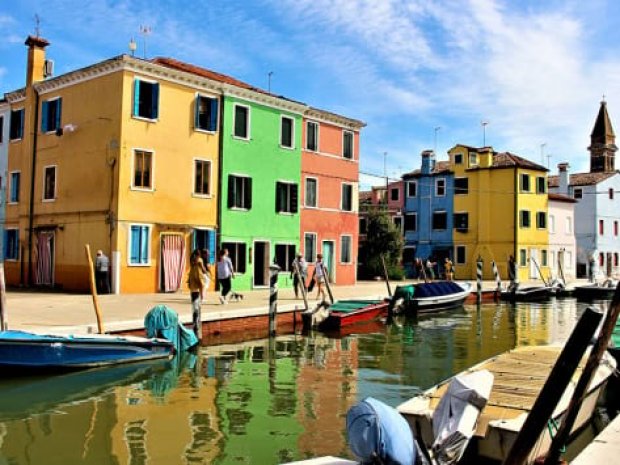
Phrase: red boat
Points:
(344, 313)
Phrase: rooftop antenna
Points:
(542, 152)
(145, 31)
(269, 74)
(132, 46)
(37, 22)
(549, 156)
(484, 124)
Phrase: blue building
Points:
(428, 212)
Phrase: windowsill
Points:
(311, 150)
(142, 189)
(346, 211)
(205, 131)
(15, 140)
(346, 263)
(48, 200)
(201, 196)
(286, 213)
(49, 132)
(311, 207)
(284, 147)
(139, 265)
(239, 209)
(239, 138)
(344, 157)
(6, 259)
(145, 119)
(13, 203)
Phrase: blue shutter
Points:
(212, 249)
(144, 244)
(58, 112)
(213, 110)
(44, 106)
(155, 101)
(136, 97)
(22, 113)
(135, 245)
(197, 112)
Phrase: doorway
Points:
(261, 263)
(44, 273)
(609, 264)
(172, 267)
(534, 264)
(328, 259)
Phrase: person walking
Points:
(319, 276)
(102, 273)
(196, 283)
(205, 256)
(449, 269)
(299, 279)
(430, 269)
(225, 273)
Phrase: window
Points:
(345, 249)
(237, 255)
(543, 258)
(616, 254)
(440, 187)
(347, 144)
(202, 177)
(363, 225)
(14, 179)
(525, 182)
(287, 132)
(569, 226)
(461, 186)
(473, 159)
(239, 192)
(139, 244)
(394, 194)
(461, 222)
(411, 222)
(541, 220)
(460, 255)
(312, 136)
(615, 228)
(412, 188)
(311, 192)
(552, 224)
(541, 185)
(49, 183)
(310, 247)
(143, 169)
(524, 219)
(398, 222)
(286, 197)
(347, 198)
(458, 158)
(206, 114)
(440, 220)
(242, 122)
(601, 227)
(16, 131)
(578, 193)
(205, 239)
(522, 257)
(11, 244)
(611, 194)
(285, 254)
(50, 115)
(1, 129)
(145, 99)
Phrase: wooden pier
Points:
(605, 448)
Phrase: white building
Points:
(562, 242)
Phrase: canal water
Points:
(258, 402)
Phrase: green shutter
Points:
(136, 97)
(213, 114)
(58, 113)
(44, 110)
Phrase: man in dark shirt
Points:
(102, 273)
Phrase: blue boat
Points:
(25, 351)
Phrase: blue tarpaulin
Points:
(437, 289)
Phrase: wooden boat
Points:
(431, 297)
(25, 351)
(519, 376)
(343, 313)
(595, 291)
(527, 294)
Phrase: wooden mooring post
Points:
(274, 269)
(327, 286)
(4, 321)
(554, 387)
(479, 279)
(386, 277)
(93, 289)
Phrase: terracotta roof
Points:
(507, 159)
(581, 179)
(561, 198)
(441, 167)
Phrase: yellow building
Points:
(500, 209)
(125, 155)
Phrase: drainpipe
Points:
(32, 180)
(516, 219)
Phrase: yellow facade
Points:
(95, 201)
(493, 202)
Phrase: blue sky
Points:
(534, 70)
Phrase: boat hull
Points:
(594, 292)
(338, 320)
(27, 351)
(421, 304)
(527, 294)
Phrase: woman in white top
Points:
(225, 273)
(319, 276)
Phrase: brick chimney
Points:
(563, 176)
(428, 161)
(35, 70)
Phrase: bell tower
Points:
(602, 143)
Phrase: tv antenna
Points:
(145, 31)
(37, 24)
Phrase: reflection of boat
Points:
(344, 313)
(23, 397)
(519, 377)
(595, 291)
(431, 297)
(527, 294)
(20, 350)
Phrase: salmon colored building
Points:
(329, 197)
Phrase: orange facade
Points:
(327, 217)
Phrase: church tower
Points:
(602, 143)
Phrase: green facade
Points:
(259, 228)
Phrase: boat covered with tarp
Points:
(429, 297)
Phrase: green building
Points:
(260, 183)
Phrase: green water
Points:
(259, 402)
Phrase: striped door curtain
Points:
(173, 261)
(43, 272)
